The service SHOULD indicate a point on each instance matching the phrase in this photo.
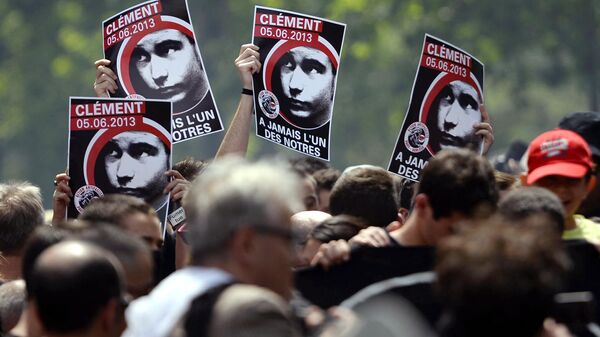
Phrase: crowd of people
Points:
(277, 247)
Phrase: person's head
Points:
(302, 224)
(406, 191)
(530, 201)
(561, 161)
(505, 182)
(308, 192)
(133, 254)
(339, 227)
(325, 179)
(135, 163)
(498, 280)
(367, 192)
(456, 185)
(190, 168)
(587, 125)
(166, 65)
(129, 213)
(76, 287)
(307, 164)
(452, 115)
(21, 212)
(238, 216)
(307, 79)
(12, 303)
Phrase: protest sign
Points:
(154, 53)
(445, 103)
(119, 146)
(294, 92)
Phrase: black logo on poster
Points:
(268, 103)
(85, 194)
(416, 137)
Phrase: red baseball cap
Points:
(558, 153)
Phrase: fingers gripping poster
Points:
(294, 92)
(154, 53)
(445, 104)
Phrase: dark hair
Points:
(339, 227)
(497, 280)
(308, 164)
(529, 201)
(406, 190)
(21, 212)
(458, 180)
(113, 208)
(190, 168)
(69, 297)
(42, 238)
(123, 245)
(127, 248)
(368, 193)
(326, 178)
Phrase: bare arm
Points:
(236, 137)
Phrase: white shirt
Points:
(156, 314)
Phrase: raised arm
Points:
(236, 137)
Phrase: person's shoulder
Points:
(241, 296)
(247, 310)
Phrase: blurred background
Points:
(540, 58)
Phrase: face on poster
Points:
(445, 104)
(119, 146)
(295, 91)
(154, 53)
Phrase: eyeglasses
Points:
(272, 230)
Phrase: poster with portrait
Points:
(295, 90)
(119, 146)
(446, 101)
(154, 53)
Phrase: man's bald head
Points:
(71, 283)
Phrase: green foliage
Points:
(540, 58)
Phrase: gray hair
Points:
(21, 211)
(234, 192)
(12, 303)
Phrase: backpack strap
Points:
(199, 316)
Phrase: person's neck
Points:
(10, 267)
(409, 234)
(223, 264)
(570, 223)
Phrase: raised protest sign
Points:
(119, 146)
(155, 55)
(445, 103)
(295, 89)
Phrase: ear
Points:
(402, 215)
(422, 207)
(107, 318)
(523, 178)
(591, 183)
(242, 243)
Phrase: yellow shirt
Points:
(586, 230)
